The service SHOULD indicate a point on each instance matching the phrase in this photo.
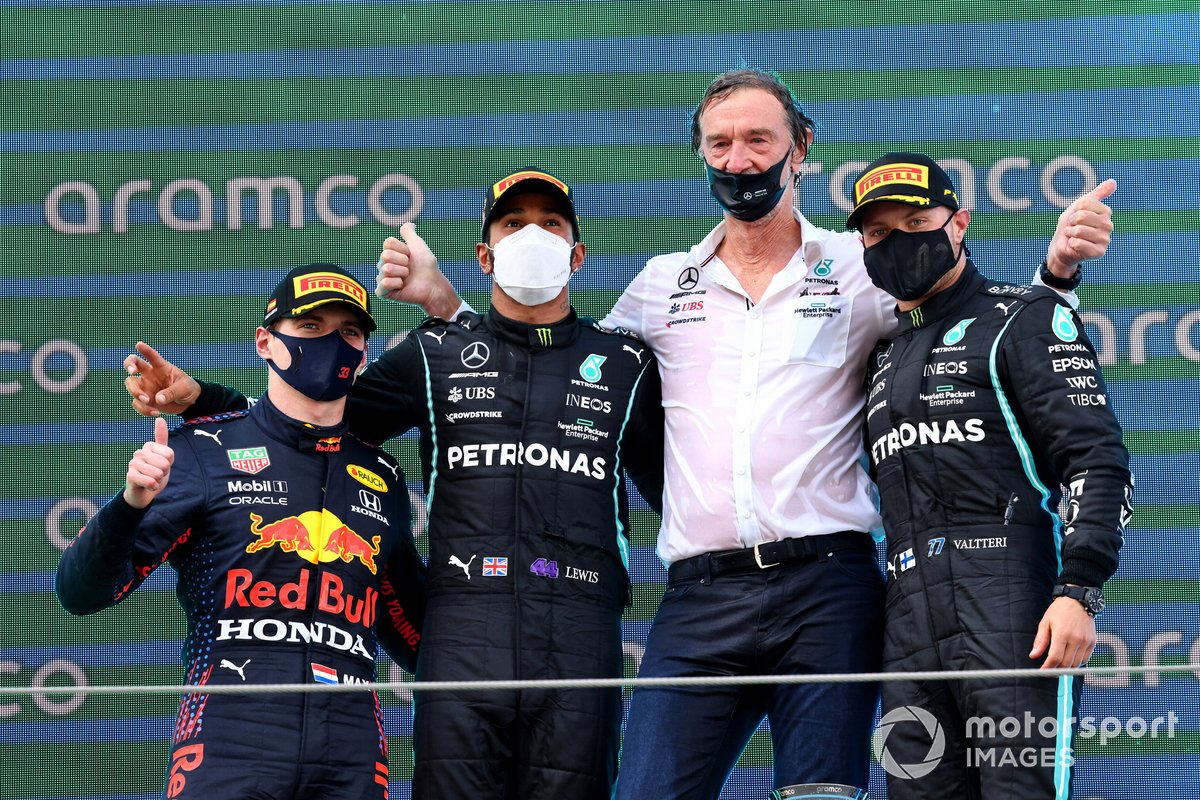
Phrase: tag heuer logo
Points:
(249, 459)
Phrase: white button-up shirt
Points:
(764, 402)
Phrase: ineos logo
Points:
(689, 278)
(475, 355)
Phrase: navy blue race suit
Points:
(293, 549)
(526, 432)
(986, 402)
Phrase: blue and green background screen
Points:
(163, 164)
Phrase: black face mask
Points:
(907, 265)
(322, 367)
(747, 195)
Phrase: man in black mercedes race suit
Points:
(529, 418)
(987, 400)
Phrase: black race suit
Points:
(526, 430)
(989, 397)
(293, 549)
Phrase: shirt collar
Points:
(536, 336)
(304, 436)
(813, 238)
(942, 303)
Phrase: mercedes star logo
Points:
(475, 355)
(689, 278)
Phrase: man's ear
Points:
(962, 218)
(578, 250)
(484, 256)
(262, 343)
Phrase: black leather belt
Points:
(768, 554)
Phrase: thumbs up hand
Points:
(150, 468)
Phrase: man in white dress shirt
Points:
(762, 332)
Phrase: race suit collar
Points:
(942, 303)
(304, 436)
(536, 337)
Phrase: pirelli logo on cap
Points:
(502, 186)
(906, 174)
(329, 282)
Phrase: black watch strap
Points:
(1055, 282)
(1090, 597)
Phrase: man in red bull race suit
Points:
(291, 539)
(529, 416)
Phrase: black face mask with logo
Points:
(906, 265)
(322, 368)
(747, 195)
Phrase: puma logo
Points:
(395, 468)
(1005, 308)
(637, 353)
(216, 437)
(438, 336)
(225, 662)
(455, 561)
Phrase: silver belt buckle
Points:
(758, 557)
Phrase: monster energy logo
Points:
(917, 316)
(545, 336)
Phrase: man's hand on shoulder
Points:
(409, 273)
(156, 385)
(1083, 231)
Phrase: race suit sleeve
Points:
(388, 398)
(215, 399)
(642, 447)
(401, 605)
(1053, 373)
(121, 545)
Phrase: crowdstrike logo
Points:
(909, 715)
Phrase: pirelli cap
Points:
(313, 285)
(910, 178)
(528, 179)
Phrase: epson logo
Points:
(279, 487)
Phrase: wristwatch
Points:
(1091, 598)
(1055, 282)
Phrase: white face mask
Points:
(532, 265)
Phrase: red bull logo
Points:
(346, 544)
(329, 444)
(315, 536)
(289, 533)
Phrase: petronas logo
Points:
(589, 370)
(1063, 325)
(956, 334)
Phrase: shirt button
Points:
(746, 515)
